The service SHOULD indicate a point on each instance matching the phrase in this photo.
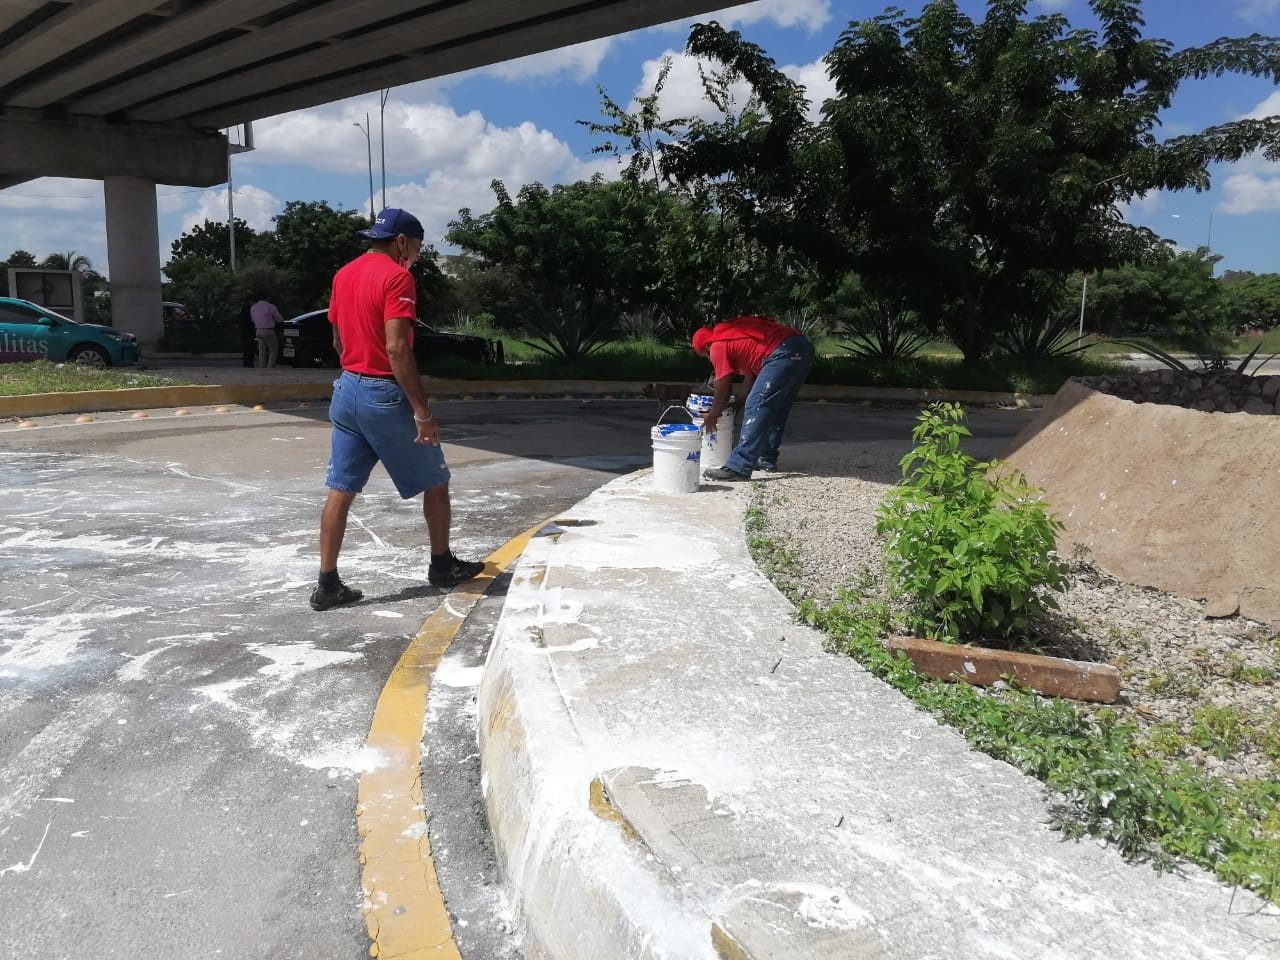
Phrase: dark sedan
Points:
(307, 341)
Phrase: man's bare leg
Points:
(333, 527)
(438, 512)
(331, 591)
(446, 569)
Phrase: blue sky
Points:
(447, 139)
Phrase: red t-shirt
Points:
(743, 344)
(367, 292)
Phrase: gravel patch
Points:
(1204, 690)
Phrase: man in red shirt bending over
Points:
(773, 361)
(379, 411)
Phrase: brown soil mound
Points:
(1162, 496)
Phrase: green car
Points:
(29, 332)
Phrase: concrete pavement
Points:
(675, 769)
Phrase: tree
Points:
(706, 267)
(312, 240)
(1168, 294)
(21, 259)
(208, 290)
(71, 260)
(578, 256)
(211, 241)
(1251, 300)
(960, 159)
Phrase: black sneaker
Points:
(453, 571)
(322, 599)
(767, 466)
(725, 475)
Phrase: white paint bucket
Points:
(717, 445)
(677, 451)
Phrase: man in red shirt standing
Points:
(379, 411)
(773, 361)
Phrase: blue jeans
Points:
(764, 416)
(372, 422)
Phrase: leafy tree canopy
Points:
(20, 259)
(211, 241)
(965, 164)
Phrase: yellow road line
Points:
(404, 908)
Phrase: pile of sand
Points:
(1162, 496)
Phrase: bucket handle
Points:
(675, 406)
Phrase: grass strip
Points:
(42, 376)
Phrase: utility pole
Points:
(1084, 289)
(368, 143)
(382, 139)
(232, 150)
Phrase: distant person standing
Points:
(248, 335)
(773, 360)
(265, 316)
(379, 411)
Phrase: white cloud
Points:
(54, 194)
(1253, 186)
(448, 158)
(253, 205)
(54, 215)
(1269, 107)
(1053, 6)
(813, 15)
(517, 156)
(683, 94)
(580, 61)
(1257, 10)
(1249, 192)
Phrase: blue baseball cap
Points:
(392, 222)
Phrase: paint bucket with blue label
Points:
(718, 444)
(677, 453)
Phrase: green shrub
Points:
(970, 547)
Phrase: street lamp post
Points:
(1084, 289)
(368, 143)
(382, 139)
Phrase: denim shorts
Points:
(372, 422)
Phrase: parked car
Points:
(29, 332)
(177, 318)
(307, 341)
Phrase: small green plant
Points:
(970, 547)
(1218, 730)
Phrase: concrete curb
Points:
(146, 398)
(673, 768)
(578, 882)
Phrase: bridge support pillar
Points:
(133, 257)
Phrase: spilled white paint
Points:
(451, 673)
(356, 759)
(288, 660)
(24, 867)
(32, 645)
(827, 908)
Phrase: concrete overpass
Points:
(136, 92)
